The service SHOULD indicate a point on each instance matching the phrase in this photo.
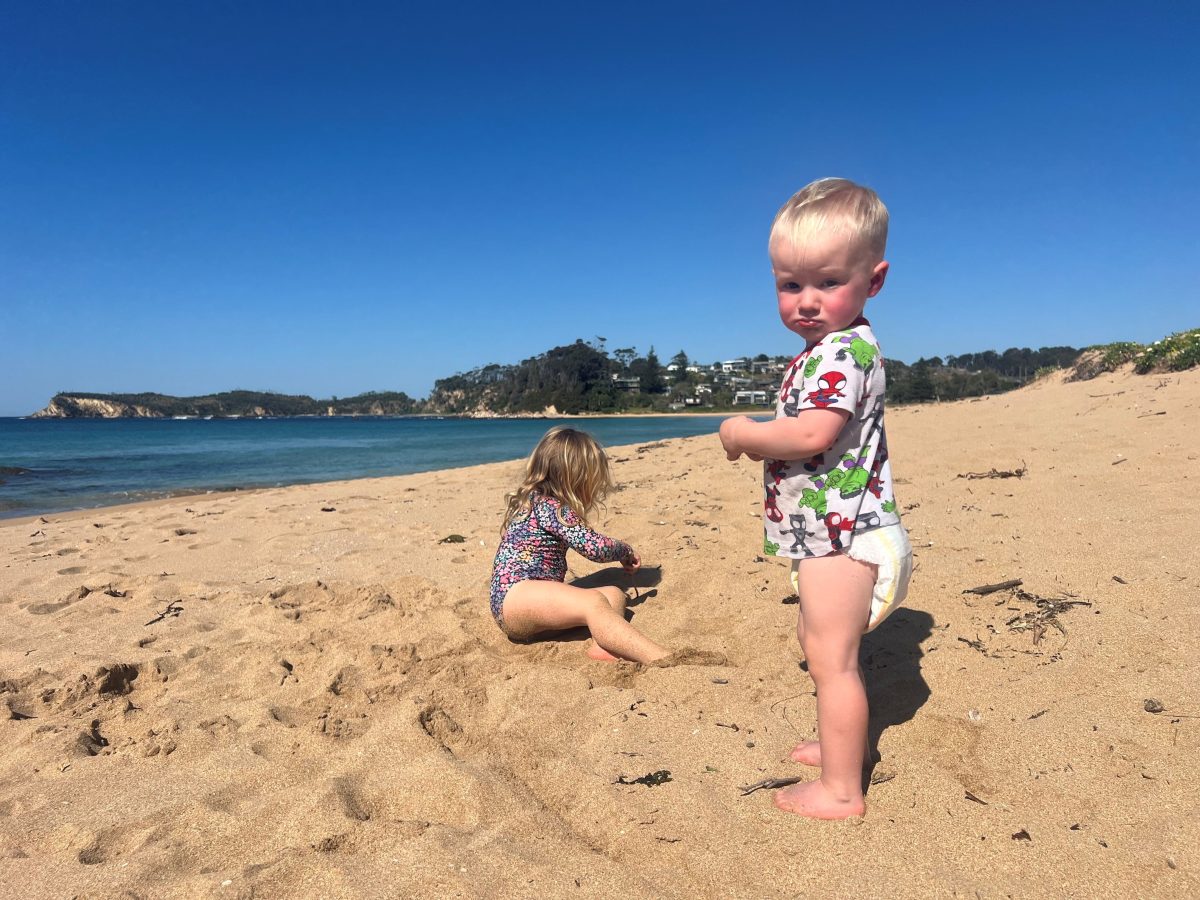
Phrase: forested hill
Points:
(581, 378)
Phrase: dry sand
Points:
(300, 692)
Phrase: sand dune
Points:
(300, 692)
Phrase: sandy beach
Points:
(299, 692)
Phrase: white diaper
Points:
(889, 549)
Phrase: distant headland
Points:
(583, 378)
(230, 404)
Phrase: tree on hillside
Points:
(649, 373)
(920, 388)
(681, 362)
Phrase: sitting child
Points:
(566, 477)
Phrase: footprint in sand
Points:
(350, 797)
(41, 609)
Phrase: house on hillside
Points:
(628, 384)
(753, 398)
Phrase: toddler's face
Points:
(823, 284)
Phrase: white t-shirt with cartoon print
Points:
(815, 506)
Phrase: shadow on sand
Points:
(891, 659)
(643, 582)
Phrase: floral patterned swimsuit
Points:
(534, 548)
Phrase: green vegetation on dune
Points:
(1174, 353)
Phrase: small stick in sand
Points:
(173, 609)
(992, 588)
(769, 783)
(999, 473)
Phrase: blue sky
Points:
(332, 198)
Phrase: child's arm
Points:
(806, 434)
(562, 521)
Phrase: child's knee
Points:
(600, 602)
(613, 596)
(831, 658)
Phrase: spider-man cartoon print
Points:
(776, 471)
(830, 390)
(835, 524)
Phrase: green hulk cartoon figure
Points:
(814, 498)
(855, 478)
(862, 352)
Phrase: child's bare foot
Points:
(808, 753)
(595, 651)
(813, 799)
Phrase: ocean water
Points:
(65, 464)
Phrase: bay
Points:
(54, 465)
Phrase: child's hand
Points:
(632, 562)
(729, 440)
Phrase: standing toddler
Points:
(829, 504)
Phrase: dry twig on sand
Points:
(173, 609)
(768, 784)
(992, 588)
(998, 473)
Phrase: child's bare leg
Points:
(531, 607)
(617, 599)
(835, 600)
(809, 752)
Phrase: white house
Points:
(751, 398)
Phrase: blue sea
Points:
(53, 465)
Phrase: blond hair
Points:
(569, 466)
(834, 204)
